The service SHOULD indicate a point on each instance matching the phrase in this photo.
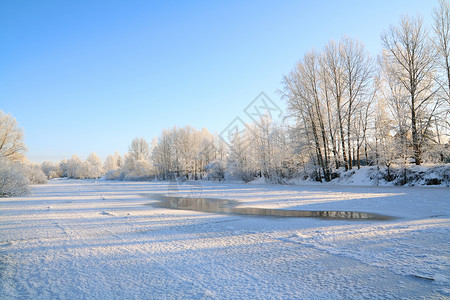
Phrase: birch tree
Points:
(334, 70)
(410, 60)
(441, 40)
(95, 166)
(139, 149)
(358, 70)
(441, 28)
(302, 91)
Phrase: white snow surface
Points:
(99, 240)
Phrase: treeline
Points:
(265, 149)
(262, 150)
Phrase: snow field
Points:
(99, 240)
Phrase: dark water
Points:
(223, 206)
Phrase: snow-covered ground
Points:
(99, 240)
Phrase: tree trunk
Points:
(333, 144)
(344, 155)
(358, 160)
(416, 145)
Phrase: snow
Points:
(101, 240)
(424, 175)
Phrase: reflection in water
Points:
(230, 207)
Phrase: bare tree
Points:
(410, 59)
(241, 156)
(304, 97)
(330, 107)
(393, 126)
(163, 154)
(441, 41)
(441, 29)
(139, 149)
(358, 70)
(333, 66)
(12, 146)
(95, 166)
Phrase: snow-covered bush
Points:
(236, 172)
(112, 175)
(310, 171)
(438, 154)
(13, 180)
(398, 174)
(426, 175)
(215, 171)
(34, 174)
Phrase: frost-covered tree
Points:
(139, 149)
(393, 117)
(112, 165)
(163, 154)
(329, 94)
(303, 91)
(51, 170)
(15, 172)
(79, 169)
(74, 167)
(12, 144)
(441, 42)
(242, 161)
(411, 61)
(385, 148)
(94, 165)
(136, 165)
(112, 162)
(135, 169)
(272, 151)
(185, 152)
(358, 73)
(64, 168)
(333, 72)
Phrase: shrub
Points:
(215, 171)
(13, 180)
(35, 174)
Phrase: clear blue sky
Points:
(89, 76)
